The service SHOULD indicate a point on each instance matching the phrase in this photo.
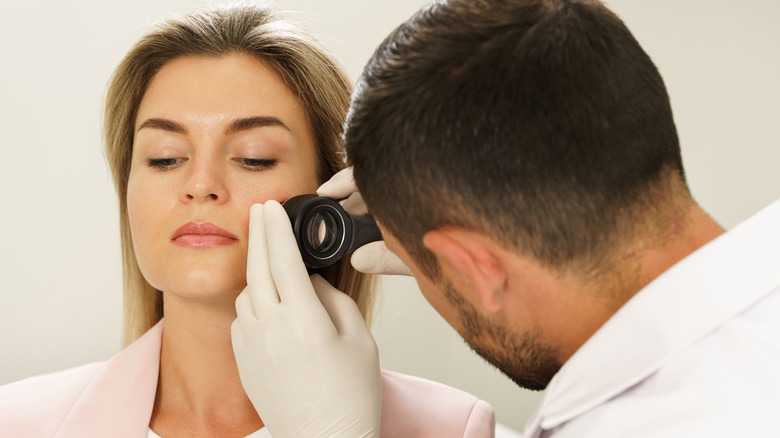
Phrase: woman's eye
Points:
(255, 163)
(164, 163)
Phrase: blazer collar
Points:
(118, 401)
(684, 304)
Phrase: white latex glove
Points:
(374, 257)
(305, 355)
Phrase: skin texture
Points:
(206, 167)
(528, 319)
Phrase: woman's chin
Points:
(204, 288)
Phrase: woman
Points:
(206, 116)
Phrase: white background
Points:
(60, 274)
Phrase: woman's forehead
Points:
(217, 91)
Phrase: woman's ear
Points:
(476, 257)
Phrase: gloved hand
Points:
(306, 358)
(372, 258)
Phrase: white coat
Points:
(696, 353)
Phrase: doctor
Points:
(522, 161)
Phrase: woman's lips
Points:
(204, 235)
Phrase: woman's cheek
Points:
(147, 206)
(139, 195)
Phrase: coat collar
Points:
(118, 401)
(684, 304)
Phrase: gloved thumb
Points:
(343, 311)
(376, 258)
(339, 185)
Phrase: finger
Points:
(342, 310)
(354, 204)
(245, 312)
(339, 185)
(237, 334)
(287, 268)
(376, 258)
(238, 341)
(258, 270)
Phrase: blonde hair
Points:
(248, 29)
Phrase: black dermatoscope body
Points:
(325, 231)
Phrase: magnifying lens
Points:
(325, 231)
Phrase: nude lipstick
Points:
(203, 235)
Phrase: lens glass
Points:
(321, 231)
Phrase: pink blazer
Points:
(115, 399)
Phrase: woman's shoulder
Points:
(417, 407)
(35, 406)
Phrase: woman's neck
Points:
(199, 390)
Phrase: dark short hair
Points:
(541, 123)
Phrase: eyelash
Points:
(164, 163)
(247, 163)
(255, 163)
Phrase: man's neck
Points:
(698, 230)
(631, 270)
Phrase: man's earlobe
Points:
(475, 258)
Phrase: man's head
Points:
(539, 124)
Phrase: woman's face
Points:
(212, 137)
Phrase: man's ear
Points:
(475, 257)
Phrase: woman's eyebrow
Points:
(237, 125)
(164, 124)
(254, 122)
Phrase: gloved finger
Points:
(342, 310)
(376, 258)
(354, 204)
(237, 335)
(258, 270)
(245, 311)
(339, 186)
(289, 272)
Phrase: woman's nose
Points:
(205, 182)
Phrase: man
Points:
(521, 159)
